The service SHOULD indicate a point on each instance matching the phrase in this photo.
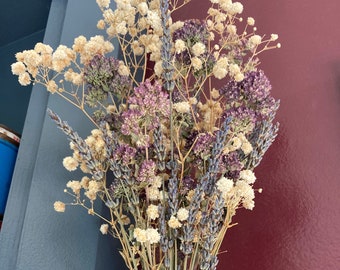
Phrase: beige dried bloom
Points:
(182, 107)
(224, 185)
(152, 212)
(104, 228)
(85, 182)
(220, 68)
(70, 163)
(153, 235)
(75, 186)
(274, 37)
(198, 49)
(251, 21)
(143, 8)
(254, 41)
(18, 68)
(140, 235)
(248, 176)
(174, 223)
(196, 63)
(247, 148)
(52, 86)
(103, 3)
(182, 214)
(123, 70)
(59, 206)
(158, 68)
(79, 44)
(152, 193)
(179, 46)
(101, 24)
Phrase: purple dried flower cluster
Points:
(203, 144)
(147, 107)
(252, 93)
(102, 77)
(193, 31)
(147, 171)
(124, 153)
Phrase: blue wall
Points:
(33, 235)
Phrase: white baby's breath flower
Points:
(52, 86)
(231, 29)
(121, 28)
(143, 8)
(153, 235)
(182, 214)
(74, 185)
(59, 206)
(196, 63)
(140, 235)
(220, 68)
(246, 148)
(248, 176)
(254, 40)
(103, 3)
(250, 21)
(158, 68)
(234, 69)
(70, 163)
(24, 79)
(224, 185)
(179, 46)
(104, 228)
(274, 37)
(182, 107)
(123, 70)
(239, 77)
(152, 212)
(174, 223)
(18, 68)
(198, 49)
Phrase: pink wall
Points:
(295, 224)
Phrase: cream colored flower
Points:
(198, 49)
(248, 176)
(246, 148)
(196, 63)
(140, 235)
(174, 223)
(274, 37)
(182, 107)
(24, 79)
(18, 68)
(142, 8)
(250, 21)
(153, 235)
(52, 86)
(179, 46)
(104, 228)
(70, 163)
(182, 214)
(103, 3)
(101, 24)
(152, 212)
(59, 206)
(74, 185)
(123, 70)
(224, 185)
(254, 41)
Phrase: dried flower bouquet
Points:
(171, 155)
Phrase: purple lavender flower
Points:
(242, 117)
